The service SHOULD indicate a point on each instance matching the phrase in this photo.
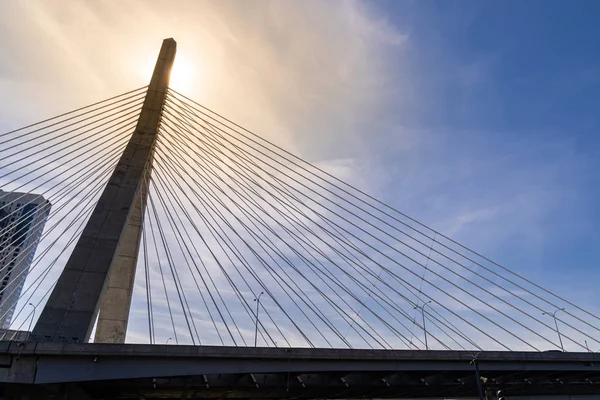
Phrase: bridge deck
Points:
(133, 371)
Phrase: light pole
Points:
(423, 317)
(167, 342)
(31, 322)
(556, 323)
(257, 300)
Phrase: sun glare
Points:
(186, 75)
(183, 75)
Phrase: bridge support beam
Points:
(108, 245)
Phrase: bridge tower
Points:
(99, 274)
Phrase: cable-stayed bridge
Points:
(187, 257)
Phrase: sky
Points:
(476, 118)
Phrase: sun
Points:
(186, 75)
(183, 74)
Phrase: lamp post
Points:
(167, 342)
(556, 324)
(423, 317)
(257, 300)
(31, 322)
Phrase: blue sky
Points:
(506, 94)
(477, 118)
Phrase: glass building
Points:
(22, 220)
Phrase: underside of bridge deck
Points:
(408, 385)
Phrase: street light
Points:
(257, 300)
(167, 342)
(556, 323)
(31, 322)
(423, 316)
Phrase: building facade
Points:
(22, 220)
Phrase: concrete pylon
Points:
(104, 259)
(116, 299)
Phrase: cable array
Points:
(244, 242)
(66, 161)
(235, 216)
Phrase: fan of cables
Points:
(65, 160)
(244, 243)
